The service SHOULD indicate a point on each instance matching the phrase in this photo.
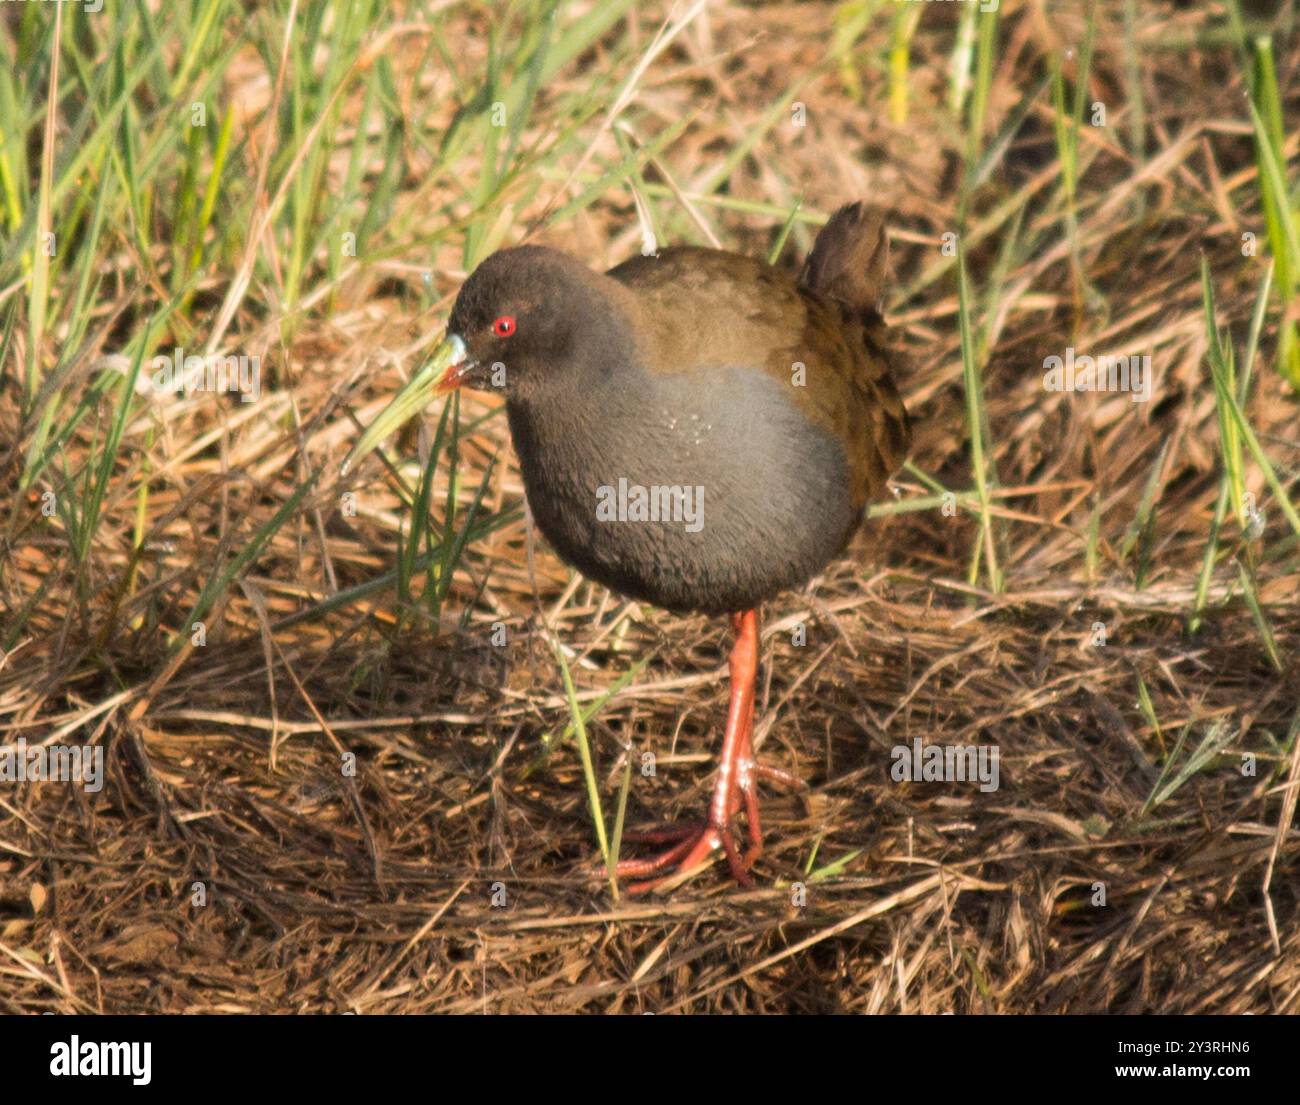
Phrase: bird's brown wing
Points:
(707, 309)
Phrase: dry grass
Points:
(373, 892)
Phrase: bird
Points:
(696, 429)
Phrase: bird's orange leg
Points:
(737, 777)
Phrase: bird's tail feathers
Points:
(850, 259)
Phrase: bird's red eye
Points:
(504, 326)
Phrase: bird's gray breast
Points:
(694, 494)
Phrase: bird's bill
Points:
(443, 371)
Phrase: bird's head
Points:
(526, 317)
